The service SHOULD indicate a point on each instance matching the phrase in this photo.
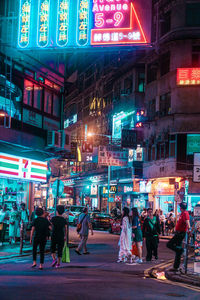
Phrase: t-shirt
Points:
(85, 224)
(58, 231)
(41, 228)
(136, 222)
(181, 226)
(24, 215)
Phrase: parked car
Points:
(115, 225)
(100, 220)
(74, 211)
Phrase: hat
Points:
(183, 205)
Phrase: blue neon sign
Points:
(43, 23)
(24, 23)
(62, 23)
(83, 22)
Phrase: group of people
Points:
(13, 220)
(148, 226)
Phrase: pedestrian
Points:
(175, 243)
(14, 221)
(39, 234)
(137, 233)
(151, 231)
(143, 216)
(162, 222)
(125, 241)
(24, 219)
(4, 217)
(59, 235)
(85, 222)
(170, 224)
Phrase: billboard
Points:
(188, 76)
(61, 24)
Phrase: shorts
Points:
(57, 244)
(138, 235)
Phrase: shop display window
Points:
(28, 92)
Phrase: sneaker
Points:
(79, 253)
(119, 261)
(54, 263)
(139, 261)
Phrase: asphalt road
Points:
(94, 276)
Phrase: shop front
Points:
(19, 179)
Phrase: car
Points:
(74, 211)
(100, 220)
(115, 225)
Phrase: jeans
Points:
(152, 247)
(41, 244)
(175, 244)
(82, 244)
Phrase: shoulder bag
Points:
(79, 225)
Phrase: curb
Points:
(182, 278)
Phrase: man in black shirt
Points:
(59, 234)
(40, 230)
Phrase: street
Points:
(94, 276)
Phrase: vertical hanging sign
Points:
(24, 23)
(83, 22)
(43, 23)
(62, 23)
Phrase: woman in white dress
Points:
(125, 241)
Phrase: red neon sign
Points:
(116, 22)
(188, 76)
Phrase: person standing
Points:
(84, 220)
(40, 230)
(14, 221)
(125, 241)
(24, 219)
(151, 231)
(137, 233)
(4, 217)
(59, 235)
(175, 243)
(162, 222)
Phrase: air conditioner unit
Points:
(54, 139)
(65, 140)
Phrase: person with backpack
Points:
(151, 231)
(59, 235)
(84, 225)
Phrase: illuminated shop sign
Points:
(128, 189)
(83, 23)
(70, 121)
(24, 23)
(22, 168)
(43, 22)
(188, 76)
(62, 23)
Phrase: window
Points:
(172, 148)
(56, 106)
(47, 102)
(151, 111)
(141, 82)
(165, 104)
(192, 14)
(195, 56)
(28, 92)
(153, 153)
(37, 103)
(128, 83)
(152, 72)
(162, 151)
(165, 23)
(157, 151)
(165, 63)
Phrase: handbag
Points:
(65, 254)
(79, 225)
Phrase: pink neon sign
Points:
(116, 22)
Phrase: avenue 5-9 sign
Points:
(81, 23)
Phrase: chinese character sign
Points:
(43, 23)
(116, 22)
(24, 23)
(83, 23)
(188, 76)
(111, 157)
(63, 22)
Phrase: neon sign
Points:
(18, 167)
(83, 22)
(24, 23)
(188, 76)
(62, 23)
(43, 23)
(116, 22)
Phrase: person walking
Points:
(14, 221)
(175, 243)
(125, 241)
(84, 220)
(137, 233)
(59, 235)
(24, 219)
(4, 217)
(151, 231)
(40, 231)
